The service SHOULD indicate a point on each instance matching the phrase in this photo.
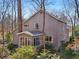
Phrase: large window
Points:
(22, 41)
(36, 41)
(26, 41)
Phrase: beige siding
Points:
(54, 28)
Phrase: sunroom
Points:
(30, 38)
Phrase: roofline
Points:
(46, 13)
(56, 18)
(29, 33)
(32, 16)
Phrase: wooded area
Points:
(12, 20)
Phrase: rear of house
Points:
(55, 30)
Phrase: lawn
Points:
(76, 57)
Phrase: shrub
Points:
(11, 47)
(63, 47)
(3, 52)
(71, 39)
(25, 52)
(68, 53)
(76, 33)
(47, 55)
(48, 46)
(8, 37)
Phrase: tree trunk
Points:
(77, 7)
(19, 16)
(43, 6)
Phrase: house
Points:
(55, 30)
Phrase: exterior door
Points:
(36, 41)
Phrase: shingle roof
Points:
(31, 33)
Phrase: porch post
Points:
(24, 41)
(27, 41)
(19, 42)
(33, 41)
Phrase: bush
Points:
(3, 50)
(11, 47)
(76, 33)
(63, 47)
(68, 53)
(25, 52)
(48, 46)
(47, 55)
(8, 37)
(71, 39)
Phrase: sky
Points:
(28, 9)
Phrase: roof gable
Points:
(40, 11)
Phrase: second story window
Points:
(26, 25)
(36, 26)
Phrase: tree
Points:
(77, 7)
(25, 52)
(19, 16)
(76, 31)
(4, 9)
(8, 37)
(3, 52)
(69, 8)
(74, 4)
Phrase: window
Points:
(26, 25)
(22, 41)
(26, 41)
(36, 26)
(48, 38)
(36, 41)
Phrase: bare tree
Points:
(7, 17)
(4, 9)
(41, 5)
(72, 17)
(77, 7)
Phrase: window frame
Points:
(36, 26)
(48, 38)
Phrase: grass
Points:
(76, 57)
